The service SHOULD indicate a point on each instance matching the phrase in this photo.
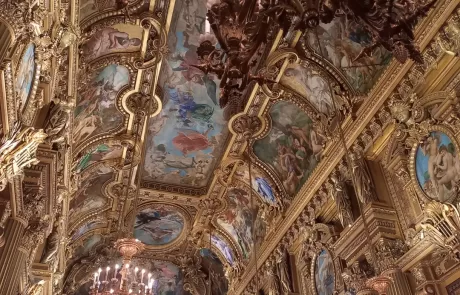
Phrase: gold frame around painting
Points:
(313, 268)
(25, 112)
(412, 169)
(181, 238)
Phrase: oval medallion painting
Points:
(324, 274)
(158, 225)
(25, 75)
(437, 167)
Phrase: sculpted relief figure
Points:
(283, 273)
(363, 184)
(52, 243)
(341, 198)
(57, 122)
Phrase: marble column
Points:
(12, 256)
(400, 285)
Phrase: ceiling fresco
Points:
(168, 278)
(213, 267)
(158, 225)
(292, 147)
(309, 83)
(101, 153)
(87, 227)
(186, 139)
(89, 197)
(224, 248)
(89, 7)
(86, 245)
(96, 110)
(237, 221)
(341, 42)
(262, 183)
(120, 38)
(154, 135)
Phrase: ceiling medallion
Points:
(242, 27)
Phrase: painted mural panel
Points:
(87, 7)
(226, 251)
(85, 228)
(341, 41)
(159, 225)
(292, 147)
(168, 278)
(437, 167)
(25, 75)
(96, 110)
(186, 140)
(261, 182)
(101, 153)
(214, 268)
(308, 83)
(116, 39)
(324, 274)
(89, 196)
(237, 219)
(87, 245)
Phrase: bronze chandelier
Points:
(241, 27)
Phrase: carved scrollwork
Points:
(141, 104)
(157, 46)
(246, 125)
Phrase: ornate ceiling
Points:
(215, 189)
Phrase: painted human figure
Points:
(108, 39)
(431, 149)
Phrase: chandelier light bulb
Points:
(150, 275)
(116, 266)
(111, 291)
(130, 291)
(127, 266)
(100, 270)
(136, 269)
(108, 268)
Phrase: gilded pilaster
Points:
(12, 256)
(400, 285)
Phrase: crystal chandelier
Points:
(124, 279)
